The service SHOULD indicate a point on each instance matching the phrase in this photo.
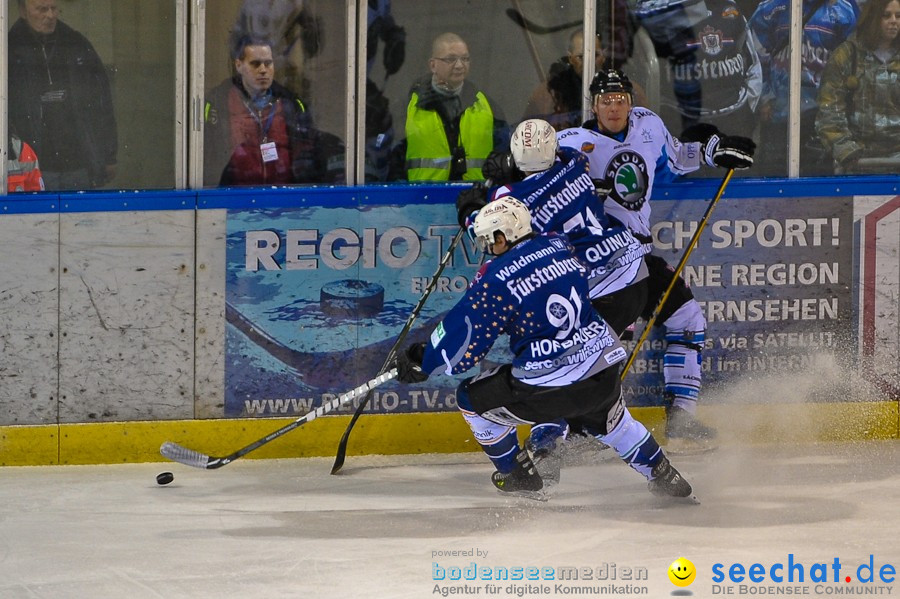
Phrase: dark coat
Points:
(93, 121)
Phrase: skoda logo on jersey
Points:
(628, 172)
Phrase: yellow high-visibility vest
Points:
(428, 150)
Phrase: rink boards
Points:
(213, 318)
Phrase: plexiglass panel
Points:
(274, 112)
(466, 78)
(92, 93)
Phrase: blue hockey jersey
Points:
(562, 199)
(536, 292)
(825, 30)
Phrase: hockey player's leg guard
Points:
(544, 443)
(634, 443)
(685, 335)
(499, 441)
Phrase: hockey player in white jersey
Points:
(565, 357)
(631, 149)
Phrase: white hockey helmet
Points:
(534, 145)
(506, 215)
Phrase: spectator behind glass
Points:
(294, 31)
(826, 24)
(379, 122)
(451, 126)
(257, 132)
(22, 168)
(559, 100)
(59, 99)
(859, 100)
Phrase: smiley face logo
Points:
(682, 572)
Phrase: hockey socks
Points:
(499, 441)
(634, 444)
(685, 336)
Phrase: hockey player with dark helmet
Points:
(611, 82)
(631, 148)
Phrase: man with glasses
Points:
(451, 126)
(59, 99)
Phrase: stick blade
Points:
(183, 455)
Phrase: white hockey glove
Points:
(729, 151)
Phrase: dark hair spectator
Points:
(258, 132)
(559, 101)
(293, 30)
(60, 101)
(859, 100)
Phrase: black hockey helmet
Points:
(611, 81)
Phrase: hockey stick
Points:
(519, 19)
(677, 273)
(392, 354)
(532, 49)
(189, 457)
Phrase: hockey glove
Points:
(409, 364)
(698, 132)
(603, 187)
(469, 200)
(501, 169)
(729, 151)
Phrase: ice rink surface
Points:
(287, 528)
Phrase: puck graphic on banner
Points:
(352, 298)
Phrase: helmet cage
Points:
(506, 215)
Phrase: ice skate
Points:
(668, 482)
(686, 434)
(548, 462)
(523, 481)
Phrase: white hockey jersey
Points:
(643, 154)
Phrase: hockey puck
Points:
(352, 298)
(164, 478)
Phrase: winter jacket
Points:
(92, 141)
(859, 104)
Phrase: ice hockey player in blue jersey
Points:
(566, 360)
(557, 188)
(631, 149)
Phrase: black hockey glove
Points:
(409, 364)
(500, 169)
(698, 132)
(472, 199)
(603, 187)
(729, 151)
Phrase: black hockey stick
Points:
(189, 457)
(392, 354)
(519, 19)
(677, 273)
